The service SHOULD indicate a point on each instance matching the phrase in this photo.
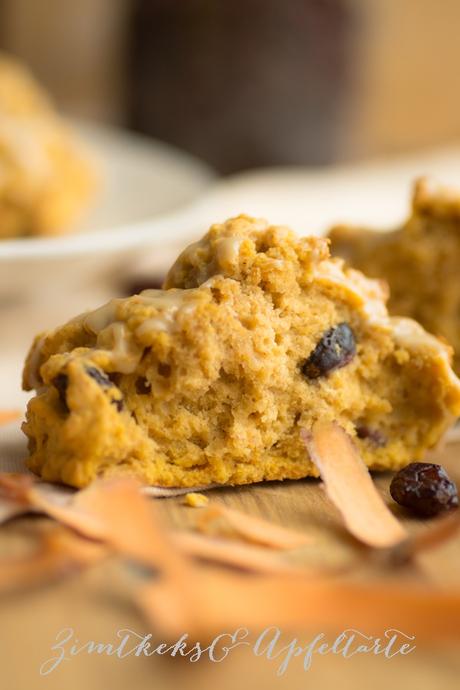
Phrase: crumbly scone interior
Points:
(204, 382)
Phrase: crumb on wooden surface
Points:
(195, 500)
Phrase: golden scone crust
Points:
(419, 260)
(45, 178)
(258, 334)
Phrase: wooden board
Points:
(95, 605)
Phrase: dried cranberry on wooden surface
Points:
(424, 488)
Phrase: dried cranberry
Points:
(142, 386)
(104, 382)
(425, 488)
(336, 348)
(374, 436)
(119, 404)
(61, 382)
(99, 377)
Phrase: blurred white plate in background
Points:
(311, 200)
(144, 184)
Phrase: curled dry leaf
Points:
(433, 536)
(244, 556)
(15, 487)
(190, 597)
(226, 601)
(130, 523)
(350, 487)
(218, 519)
(59, 552)
(113, 511)
(28, 495)
(14, 500)
(440, 531)
(116, 512)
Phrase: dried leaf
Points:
(15, 487)
(350, 487)
(10, 510)
(433, 536)
(129, 523)
(439, 532)
(219, 519)
(225, 601)
(193, 598)
(244, 556)
(59, 552)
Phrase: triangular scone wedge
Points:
(258, 335)
(419, 260)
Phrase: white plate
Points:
(310, 200)
(145, 186)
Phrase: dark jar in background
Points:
(241, 83)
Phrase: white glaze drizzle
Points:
(410, 335)
(366, 293)
(124, 353)
(98, 319)
(227, 251)
(113, 336)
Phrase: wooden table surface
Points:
(95, 604)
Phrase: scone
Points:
(256, 335)
(45, 181)
(419, 260)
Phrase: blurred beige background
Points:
(343, 79)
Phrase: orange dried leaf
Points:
(23, 491)
(434, 535)
(114, 511)
(217, 518)
(244, 556)
(350, 487)
(65, 508)
(15, 486)
(59, 552)
(225, 601)
(129, 522)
